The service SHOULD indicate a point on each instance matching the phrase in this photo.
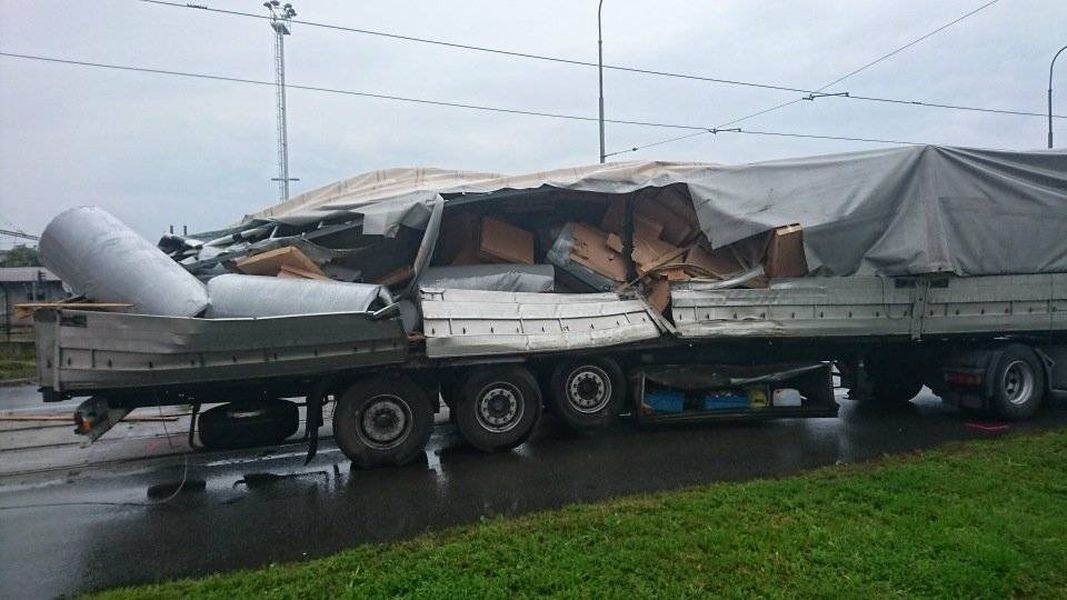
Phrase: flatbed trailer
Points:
(989, 343)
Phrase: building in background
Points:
(25, 284)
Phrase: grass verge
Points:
(17, 369)
(982, 519)
(16, 361)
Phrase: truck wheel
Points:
(1018, 383)
(248, 424)
(498, 408)
(586, 392)
(382, 422)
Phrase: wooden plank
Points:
(25, 310)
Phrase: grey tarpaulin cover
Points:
(911, 210)
(495, 278)
(235, 295)
(99, 256)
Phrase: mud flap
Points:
(314, 416)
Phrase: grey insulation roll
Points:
(235, 295)
(99, 256)
(494, 278)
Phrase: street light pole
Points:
(1052, 64)
(600, 73)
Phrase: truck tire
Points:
(585, 393)
(498, 408)
(383, 421)
(1018, 383)
(248, 424)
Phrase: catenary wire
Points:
(697, 128)
(818, 93)
(582, 63)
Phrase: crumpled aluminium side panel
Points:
(82, 350)
(460, 323)
(873, 306)
(97, 255)
(811, 307)
(235, 295)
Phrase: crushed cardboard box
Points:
(271, 263)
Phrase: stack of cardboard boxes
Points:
(668, 246)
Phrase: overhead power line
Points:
(582, 63)
(699, 129)
(819, 92)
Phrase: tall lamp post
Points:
(1052, 64)
(281, 17)
(600, 73)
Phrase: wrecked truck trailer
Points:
(673, 292)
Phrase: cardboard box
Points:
(785, 253)
(457, 243)
(501, 242)
(291, 272)
(659, 293)
(270, 262)
(591, 251)
(705, 263)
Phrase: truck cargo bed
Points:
(88, 351)
(913, 308)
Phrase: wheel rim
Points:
(588, 389)
(1018, 382)
(500, 407)
(385, 422)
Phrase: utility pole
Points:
(600, 73)
(281, 17)
(1052, 64)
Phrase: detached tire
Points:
(1018, 383)
(248, 424)
(586, 393)
(382, 422)
(498, 408)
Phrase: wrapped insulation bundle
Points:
(235, 295)
(99, 256)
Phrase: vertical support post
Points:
(600, 74)
(281, 17)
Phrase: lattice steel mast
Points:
(281, 16)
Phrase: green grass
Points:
(17, 369)
(982, 519)
(17, 361)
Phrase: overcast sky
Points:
(158, 150)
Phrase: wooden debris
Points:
(271, 262)
(291, 272)
(26, 310)
(398, 276)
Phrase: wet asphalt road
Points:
(261, 507)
